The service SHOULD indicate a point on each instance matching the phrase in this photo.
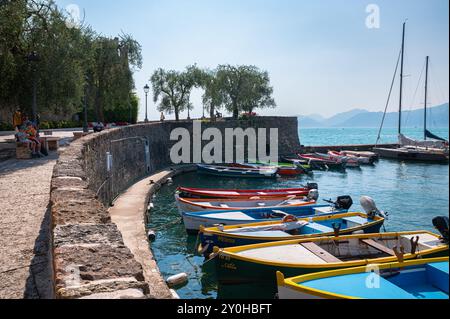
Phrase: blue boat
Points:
(225, 171)
(194, 220)
(290, 228)
(416, 279)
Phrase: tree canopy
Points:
(173, 89)
(235, 88)
(72, 61)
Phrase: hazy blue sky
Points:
(321, 56)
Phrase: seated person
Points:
(32, 135)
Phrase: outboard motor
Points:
(312, 186)
(343, 202)
(441, 223)
(313, 195)
(371, 209)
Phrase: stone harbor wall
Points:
(89, 255)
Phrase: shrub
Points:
(4, 126)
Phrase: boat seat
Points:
(355, 221)
(372, 243)
(319, 228)
(324, 210)
(321, 253)
(437, 274)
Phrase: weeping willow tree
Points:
(71, 62)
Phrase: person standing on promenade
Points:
(17, 120)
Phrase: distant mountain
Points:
(344, 117)
(306, 121)
(438, 116)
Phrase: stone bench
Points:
(23, 151)
(51, 143)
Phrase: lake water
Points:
(349, 136)
(412, 193)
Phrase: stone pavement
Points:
(25, 262)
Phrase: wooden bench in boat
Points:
(372, 243)
(321, 253)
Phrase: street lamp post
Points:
(34, 57)
(85, 123)
(146, 90)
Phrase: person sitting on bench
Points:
(32, 135)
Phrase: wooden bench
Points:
(321, 253)
(372, 243)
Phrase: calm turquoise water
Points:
(341, 136)
(412, 193)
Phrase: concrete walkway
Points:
(129, 214)
(25, 262)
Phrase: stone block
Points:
(120, 288)
(80, 212)
(77, 265)
(87, 234)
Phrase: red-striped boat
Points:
(281, 170)
(186, 192)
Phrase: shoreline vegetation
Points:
(53, 66)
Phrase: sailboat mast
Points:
(426, 97)
(401, 81)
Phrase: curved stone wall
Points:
(89, 255)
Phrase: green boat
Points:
(260, 262)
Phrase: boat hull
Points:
(193, 221)
(405, 155)
(236, 172)
(414, 271)
(242, 194)
(225, 240)
(205, 205)
(234, 269)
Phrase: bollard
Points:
(177, 280)
(151, 235)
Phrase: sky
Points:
(321, 56)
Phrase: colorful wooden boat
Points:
(260, 262)
(186, 192)
(287, 229)
(415, 279)
(373, 157)
(202, 205)
(194, 220)
(291, 170)
(225, 171)
(321, 163)
(304, 166)
(349, 162)
(352, 161)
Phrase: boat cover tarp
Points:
(436, 143)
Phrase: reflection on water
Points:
(412, 193)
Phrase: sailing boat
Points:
(436, 142)
(424, 151)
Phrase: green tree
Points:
(173, 89)
(244, 88)
(72, 61)
(213, 97)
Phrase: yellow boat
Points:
(414, 279)
(260, 262)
